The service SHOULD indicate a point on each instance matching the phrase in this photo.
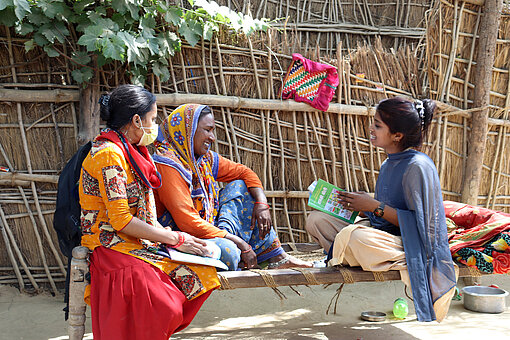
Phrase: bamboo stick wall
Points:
(308, 23)
(288, 149)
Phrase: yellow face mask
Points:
(150, 136)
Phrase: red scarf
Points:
(138, 158)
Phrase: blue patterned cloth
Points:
(236, 208)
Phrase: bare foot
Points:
(288, 261)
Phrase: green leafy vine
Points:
(142, 33)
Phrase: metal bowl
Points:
(484, 299)
(373, 316)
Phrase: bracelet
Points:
(246, 251)
(180, 242)
(267, 205)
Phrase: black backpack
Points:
(66, 219)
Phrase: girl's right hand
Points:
(193, 245)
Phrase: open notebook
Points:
(179, 256)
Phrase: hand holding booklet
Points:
(213, 260)
(326, 198)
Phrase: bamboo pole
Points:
(174, 82)
(9, 183)
(282, 179)
(16, 176)
(264, 147)
(470, 63)
(360, 158)
(270, 171)
(351, 154)
(204, 69)
(298, 161)
(453, 52)
(20, 256)
(309, 151)
(497, 157)
(476, 2)
(11, 257)
(227, 134)
(183, 70)
(251, 103)
(57, 136)
(39, 96)
(255, 70)
(321, 152)
(343, 148)
(213, 75)
(341, 133)
(442, 171)
(332, 152)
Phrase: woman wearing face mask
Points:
(135, 292)
(237, 218)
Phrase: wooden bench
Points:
(238, 279)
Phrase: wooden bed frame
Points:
(240, 279)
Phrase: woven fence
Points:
(325, 24)
(286, 143)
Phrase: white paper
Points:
(189, 258)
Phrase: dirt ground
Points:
(259, 314)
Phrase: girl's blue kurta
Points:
(421, 217)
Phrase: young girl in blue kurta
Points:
(405, 225)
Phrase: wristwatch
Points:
(379, 211)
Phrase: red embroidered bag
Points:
(310, 82)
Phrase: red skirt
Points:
(131, 299)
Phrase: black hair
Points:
(411, 118)
(205, 111)
(118, 108)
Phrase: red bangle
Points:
(267, 205)
(246, 251)
(180, 242)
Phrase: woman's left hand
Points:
(262, 217)
(358, 201)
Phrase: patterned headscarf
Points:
(175, 149)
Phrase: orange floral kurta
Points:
(110, 195)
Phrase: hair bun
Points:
(429, 107)
(104, 107)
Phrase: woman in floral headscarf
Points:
(236, 218)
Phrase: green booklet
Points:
(325, 197)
